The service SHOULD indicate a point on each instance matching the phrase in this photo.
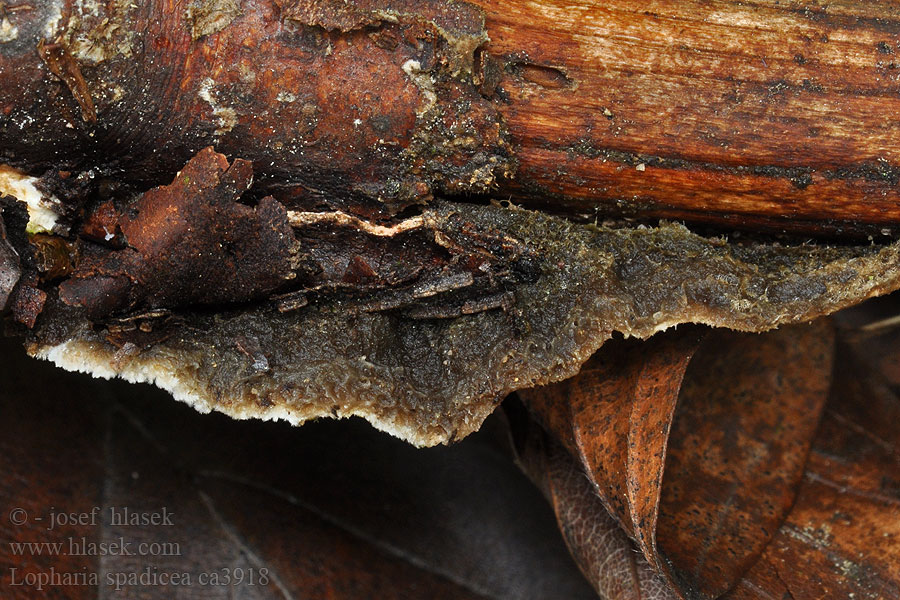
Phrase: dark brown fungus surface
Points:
(289, 209)
(421, 325)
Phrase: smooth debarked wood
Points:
(767, 114)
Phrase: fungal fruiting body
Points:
(231, 204)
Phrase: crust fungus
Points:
(286, 210)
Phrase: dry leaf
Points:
(840, 539)
(601, 548)
(738, 505)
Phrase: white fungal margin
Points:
(170, 373)
(43, 210)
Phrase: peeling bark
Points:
(374, 105)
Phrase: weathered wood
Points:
(747, 114)
(762, 115)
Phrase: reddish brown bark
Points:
(761, 115)
(378, 105)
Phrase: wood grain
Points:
(766, 115)
(748, 114)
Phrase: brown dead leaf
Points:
(614, 417)
(748, 408)
(871, 333)
(747, 413)
(840, 540)
(601, 548)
